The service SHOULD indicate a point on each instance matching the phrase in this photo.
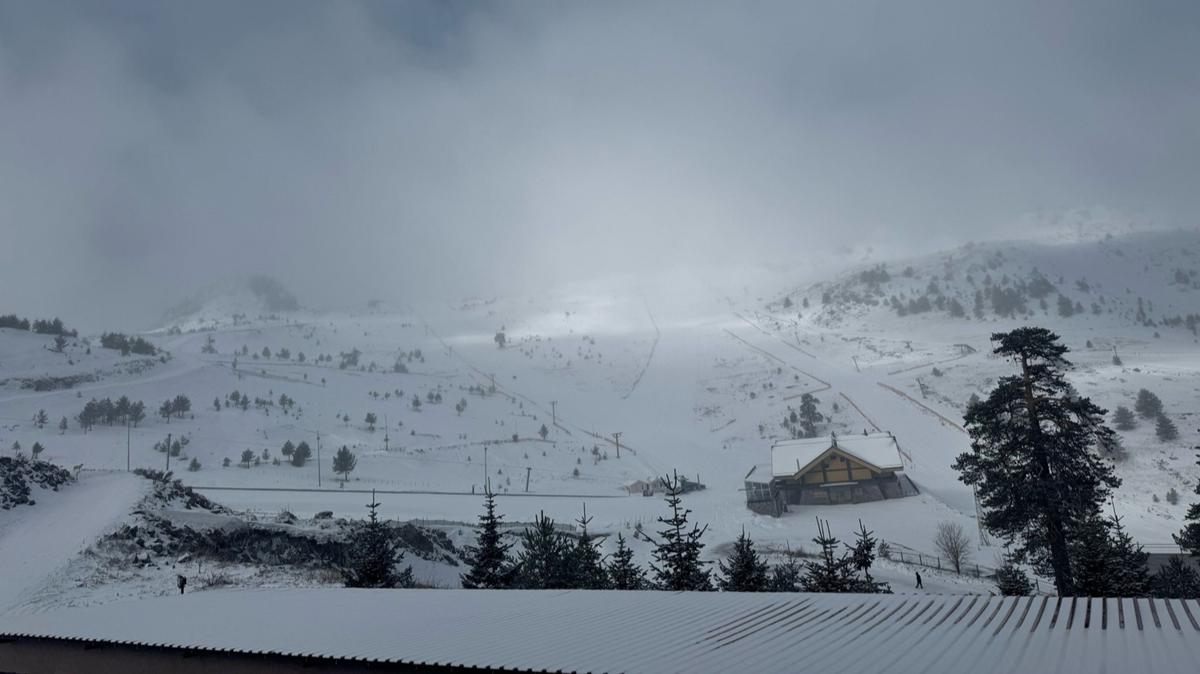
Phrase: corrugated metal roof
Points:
(788, 457)
(608, 631)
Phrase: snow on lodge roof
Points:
(610, 631)
(789, 457)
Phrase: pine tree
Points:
(41, 419)
(1165, 429)
(344, 462)
(830, 572)
(785, 576)
(1178, 579)
(1188, 538)
(587, 563)
(862, 558)
(1012, 581)
(545, 560)
(1034, 464)
(301, 454)
(1092, 559)
(746, 571)
(490, 567)
(1131, 575)
(62, 426)
(623, 572)
(373, 555)
(36, 450)
(677, 564)
(1124, 419)
(1148, 405)
(809, 416)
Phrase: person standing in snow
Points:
(919, 584)
(181, 581)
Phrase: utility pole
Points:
(527, 469)
(168, 452)
(126, 445)
(553, 412)
(485, 472)
(617, 440)
(318, 458)
(855, 359)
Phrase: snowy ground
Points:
(37, 542)
(695, 377)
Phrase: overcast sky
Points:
(409, 149)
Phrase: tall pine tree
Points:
(677, 564)
(373, 555)
(546, 560)
(490, 567)
(1035, 464)
(830, 572)
(623, 572)
(862, 557)
(588, 564)
(745, 571)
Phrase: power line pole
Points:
(127, 445)
(168, 452)
(617, 440)
(554, 412)
(318, 458)
(527, 469)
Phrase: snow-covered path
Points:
(39, 540)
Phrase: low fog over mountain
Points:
(840, 298)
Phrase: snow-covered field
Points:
(695, 376)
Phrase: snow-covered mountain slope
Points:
(1149, 279)
(697, 376)
(231, 302)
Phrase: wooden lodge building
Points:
(828, 471)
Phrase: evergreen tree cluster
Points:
(108, 412)
(53, 326)
(175, 407)
(297, 454)
(127, 345)
(547, 558)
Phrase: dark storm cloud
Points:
(411, 149)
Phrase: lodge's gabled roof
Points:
(613, 631)
(878, 450)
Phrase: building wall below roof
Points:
(860, 491)
(55, 656)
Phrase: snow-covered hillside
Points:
(697, 378)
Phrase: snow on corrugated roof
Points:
(610, 631)
(877, 449)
